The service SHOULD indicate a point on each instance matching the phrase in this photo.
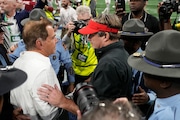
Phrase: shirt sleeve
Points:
(164, 113)
(13, 56)
(65, 58)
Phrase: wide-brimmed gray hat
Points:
(135, 27)
(36, 15)
(161, 56)
(11, 78)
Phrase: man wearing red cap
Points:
(112, 76)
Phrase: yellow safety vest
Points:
(86, 2)
(83, 57)
(49, 14)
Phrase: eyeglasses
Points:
(89, 36)
(85, 20)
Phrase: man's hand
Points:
(70, 28)
(13, 47)
(56, 98)
(164, 14)
(79, 115)
(120, 12)
(51, 95)
(18, 115)
(140, 98)
(123, 101)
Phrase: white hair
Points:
(82, 9)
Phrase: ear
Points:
(39, 43)
(106, 36)
(41, 18)
(165, 84)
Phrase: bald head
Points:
(9, 7)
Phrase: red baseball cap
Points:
(94, 27)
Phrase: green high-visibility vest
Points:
(83, 57)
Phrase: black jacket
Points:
(112, 76)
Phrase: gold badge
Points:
(138, 54)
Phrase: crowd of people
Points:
(130, 61)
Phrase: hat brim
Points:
(24, 21)
(139, 64)
(87, 30)
(10, 79)
(145, 34)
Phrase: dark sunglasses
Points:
(86, 20)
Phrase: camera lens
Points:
(79, 25)
(85, 97)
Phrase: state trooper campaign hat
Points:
(161, 56)
(10, 78)
(135, 28)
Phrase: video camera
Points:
(85, 97)
(79, 25)
(169, 5)
(120, 4)
(120, 7)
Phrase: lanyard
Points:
(6, 20)
(144, 15)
